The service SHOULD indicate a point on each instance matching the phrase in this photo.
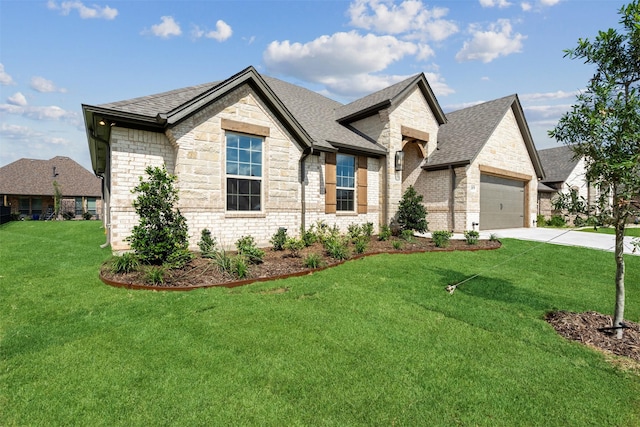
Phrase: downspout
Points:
(452, 201)
(385, 193)
(303, 214)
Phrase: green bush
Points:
(472, 237)
(540, 220)
(155, 275)
(207, 244)
(87, 216)
(313, 261)
(354, 231)
(407, 235)
(337, 247)
(294, 246)
(397, 244)
(240, 266)
(441, 238)
(557, 221)
(162, 230)
(68, 215)
(411, 213)
(361, 244)
(246, 246)
(279, 239)
(493, 237)
(309, 237)
(125, 263)
(178, 259)
(223, 261)
(385, 233)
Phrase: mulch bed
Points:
(587, 328)
(202, 272)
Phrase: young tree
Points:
(57, 199)
(161, 236)
(411, 213)
(603, 127)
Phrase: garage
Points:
(501, 203)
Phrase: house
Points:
(563, 173)
(27, 187)
(253, 153)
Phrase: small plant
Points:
(361, 244)
(155, 275)
(279, 239)
(313, 261)
(411, 213)
(294, 246)
(125, 263)
(337, 247)
(494, 237)
(178, 259)
(207, 244)
(441, 238)
(68, 215)
(354, 231)
(407, 235)
(223, 261)
(246, 246)
(385, 233)
(367, 229)
(309, 237)
(87, 216)
(240, 266)
(556, 221)
(397, 245)
(472, 237)
(540, 220)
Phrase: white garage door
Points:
(501, 203)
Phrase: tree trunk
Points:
(618, 316)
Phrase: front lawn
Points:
(628, 231)
(375, 341)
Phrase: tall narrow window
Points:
(345, 182)
(244, 172)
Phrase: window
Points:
(345, 182)
(244, 172)
(91, 205)
(79, 210)
(24, 206)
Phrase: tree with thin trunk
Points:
(603, 127)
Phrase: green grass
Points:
(628, 231)
(375, 341)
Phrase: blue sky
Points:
(57, 55)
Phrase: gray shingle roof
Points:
(30, 177)
(467, 130)
(558, 163)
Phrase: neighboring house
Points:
(27, 186)
(563, 173)
(253, 153)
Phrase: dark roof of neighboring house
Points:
(542, 188)
(461, 139)
(558, 163)
(31, 177)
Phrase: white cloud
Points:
(438, 85)
(43, 85)
(52, 112)
(222, 32)
(549, 2)
(526, 6)
(410, 18)
(335, 57)
(560, 94)
(494, 42)
(495, 3)
(85, 12)
(167, 28)
(5, 79)
(17, 99)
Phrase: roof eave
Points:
(528, 139)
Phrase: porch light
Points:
(399, 160)
(102, 122)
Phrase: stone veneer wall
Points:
(194, 150)
(505, 150)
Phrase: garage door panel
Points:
(501, 203)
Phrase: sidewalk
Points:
(559, 236)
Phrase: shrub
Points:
(312, 261)
(125, 263)
(407, 235)
(472, 237)
(494, 237)
(87, 216)
(540, 220)
(354, 231)
(367, 229)
(162, 230)
(411, 213)
(240, 266)
(557, 221)
(361, 244)
(279, 239)
(441, 238)
(309, 237)
(337, 247)
(223, 261)
(246, 246)
(294, 246)
(207, 244)
(385, 233)
(68, 215)
(155, 275)
(397, 245)
(178, 259)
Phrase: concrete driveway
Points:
(561, 236)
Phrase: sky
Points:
(59, 54)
